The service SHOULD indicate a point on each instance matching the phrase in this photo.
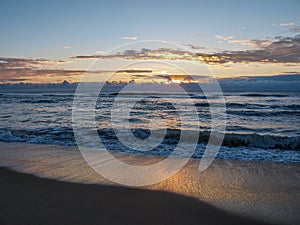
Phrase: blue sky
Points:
(43, 28)
(62, 29)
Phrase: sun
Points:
(176, 81)
(181, 79)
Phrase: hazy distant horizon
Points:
(278, 83)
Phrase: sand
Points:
(266, 192)
(26, 199)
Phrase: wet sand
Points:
(266, 192)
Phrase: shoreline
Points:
(265, 191)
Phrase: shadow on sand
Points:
(27, 199)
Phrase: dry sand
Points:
(268, 192)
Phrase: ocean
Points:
(259, 126)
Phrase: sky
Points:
(52, 41)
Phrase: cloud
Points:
(87, 57)
(28, 72)
(169, 78)
(224, 38)
(285, 50)
(14, 63)
(132, 38)
(287, 24)
(20, 69)
(295, 29)
(282, 50)
(284, 24)
(182, 78)
(291, 72)
(195, 46)
(134, 71)
(100, 52)
(33, 75)
(251, 43)
(12, 80)
(67, 47)
(14, 71)
(143, 54)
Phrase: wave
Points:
(65, 136)
(49, 135)
(154, 105)
(250, 140)
(255, 105)
(264, 113)
(202, 104)
(262, 141)
(293, 106)
(41, 101)
(238, 105)
(264, 95)
(244, 105)
(61, 96)
(194, 96)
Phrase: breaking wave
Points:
(65, 136)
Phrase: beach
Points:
(150, 113)
(62, 183)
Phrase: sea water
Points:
(259, 126)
